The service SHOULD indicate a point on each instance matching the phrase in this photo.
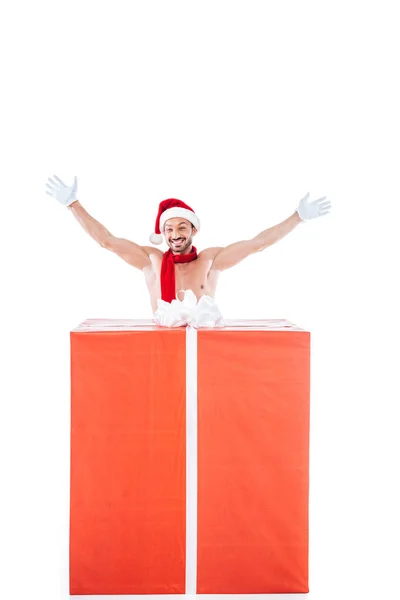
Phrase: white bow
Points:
(204, 313)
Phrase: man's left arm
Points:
(234, 253)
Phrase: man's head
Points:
(179, 234)
(182, 222)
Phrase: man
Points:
(180, 268)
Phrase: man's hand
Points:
(310, 210)
(65, 195)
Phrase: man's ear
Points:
(194, 230)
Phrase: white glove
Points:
(311, 210)
(65, 195)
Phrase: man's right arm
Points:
(132, 253)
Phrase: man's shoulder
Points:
(151, 251)
(209, 253)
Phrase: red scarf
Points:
(168, 272)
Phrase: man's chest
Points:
(196, 275)
(194, 272)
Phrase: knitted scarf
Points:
(168, 272)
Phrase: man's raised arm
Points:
(132, 253)
(231, 255)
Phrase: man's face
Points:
(179, 234)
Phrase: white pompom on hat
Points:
(168, 209)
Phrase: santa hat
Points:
(169, 209)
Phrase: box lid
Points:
(149, 325)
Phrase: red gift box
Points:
(189, 458)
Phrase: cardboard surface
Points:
(134, 456)
(127, 516)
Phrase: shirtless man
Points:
(200, 275)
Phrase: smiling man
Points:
(181, 267)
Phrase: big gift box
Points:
(189, 458)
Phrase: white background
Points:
(239, 109)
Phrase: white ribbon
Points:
(204, 313)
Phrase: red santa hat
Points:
(169, 209)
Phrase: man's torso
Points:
(196, 275)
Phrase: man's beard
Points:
(179, 249)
